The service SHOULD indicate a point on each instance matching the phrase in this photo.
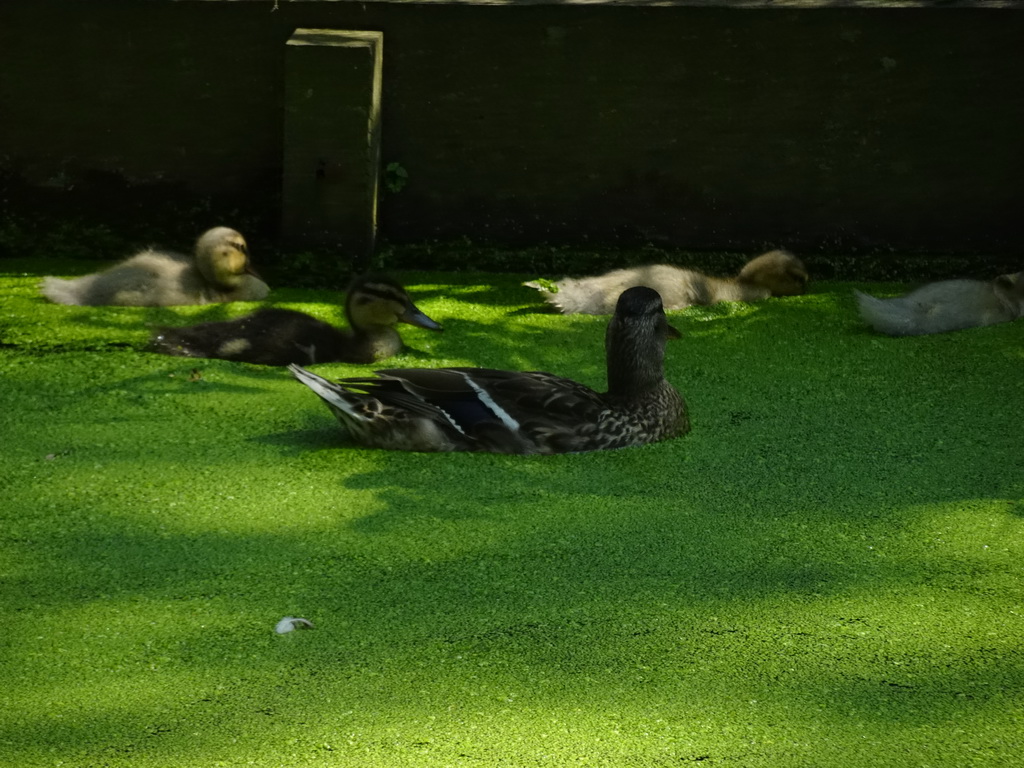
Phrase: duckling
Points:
(218, 272)
(949, 305)
(270, 336)
(776, 273)
(479, 409)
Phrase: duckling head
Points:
(375, 302)
(1011, 287)
(223, 257)
(780, 272)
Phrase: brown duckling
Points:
(776, 273)
(271, 336)
(219, 271)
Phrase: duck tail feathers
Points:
(551, 292)
(170, 341)
(332, 394)
(61, 291)
(892, 316)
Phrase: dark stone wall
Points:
(700, 127)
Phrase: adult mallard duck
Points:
(776, 273)
(478, 409)
(219, 271)
(373, 306)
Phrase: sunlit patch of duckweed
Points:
(825, 571)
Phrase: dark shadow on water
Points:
(314, 438)
(540, 309)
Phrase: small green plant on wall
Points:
(395, 177)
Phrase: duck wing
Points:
(505, 411)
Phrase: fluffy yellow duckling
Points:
(218, 272)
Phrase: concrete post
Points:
(332, 139)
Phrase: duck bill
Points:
(673, 332)
(250, 271)
(413, 316)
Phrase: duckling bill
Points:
(219, 271)
(271, 336)
(479, 409)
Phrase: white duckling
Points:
(218, 272)
(776, 273)
(949, 305)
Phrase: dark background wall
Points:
(700, 127)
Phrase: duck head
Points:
(375, 302)
(223, 257)
(1011, 289)
(635, 342)
(779, 272)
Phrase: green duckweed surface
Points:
(826, 572)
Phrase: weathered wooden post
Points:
(332, 139)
